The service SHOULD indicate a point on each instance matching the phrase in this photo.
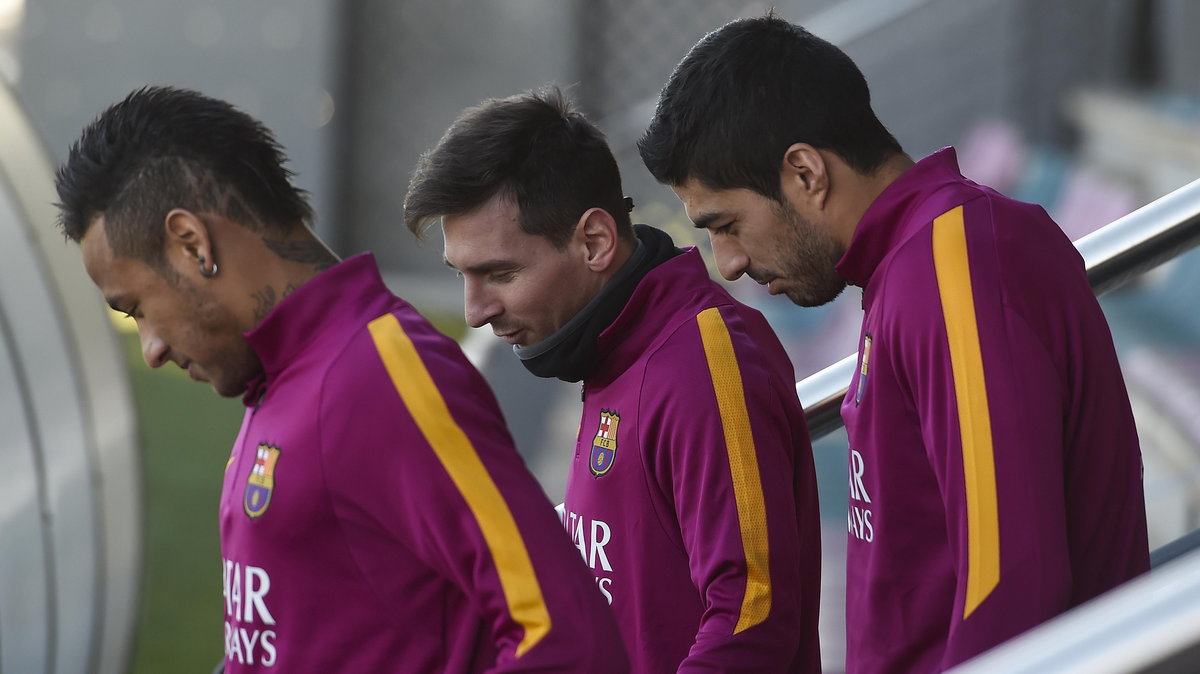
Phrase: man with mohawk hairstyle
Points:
(375, 516)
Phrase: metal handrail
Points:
(1114, 255)
(1149, 624)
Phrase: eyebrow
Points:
(482, 267)
(703, 220)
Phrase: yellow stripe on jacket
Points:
(974, 419)
(743, 466)
(457, 454)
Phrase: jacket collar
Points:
(896, 214)
(339, 297)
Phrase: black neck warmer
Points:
(569, 353)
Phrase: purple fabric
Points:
(1071, 514)
(657, 520)
(367, 558)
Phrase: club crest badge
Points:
(604, 447)
(261, 482)
(862, 371)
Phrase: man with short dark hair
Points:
(994, 464)
(692, 495)
(375, 516)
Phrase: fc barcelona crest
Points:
(604, 447)
(261, 482)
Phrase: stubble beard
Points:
(231, 363)
(809, 257)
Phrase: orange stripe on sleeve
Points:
(457, 455)
(974, 419)
(743, 465)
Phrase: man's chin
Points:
(809, 298)
(227, 389)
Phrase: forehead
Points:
(490, 232)
(703, 202)
(113, 275)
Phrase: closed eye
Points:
(130, 313)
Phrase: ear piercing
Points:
(207, 273)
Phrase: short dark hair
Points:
(535, 147)
(749, 90)
(163, 148)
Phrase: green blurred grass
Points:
(187, 432)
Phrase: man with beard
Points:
(994, 465)
(692, 494)
(375, 516)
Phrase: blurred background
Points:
(1088, 107)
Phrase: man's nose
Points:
(154, 349)
(731, 258)
(479, 305)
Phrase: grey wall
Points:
(272, 58)
(407, 70)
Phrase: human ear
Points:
(598, 231)
(187, 240)
(804, 175)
